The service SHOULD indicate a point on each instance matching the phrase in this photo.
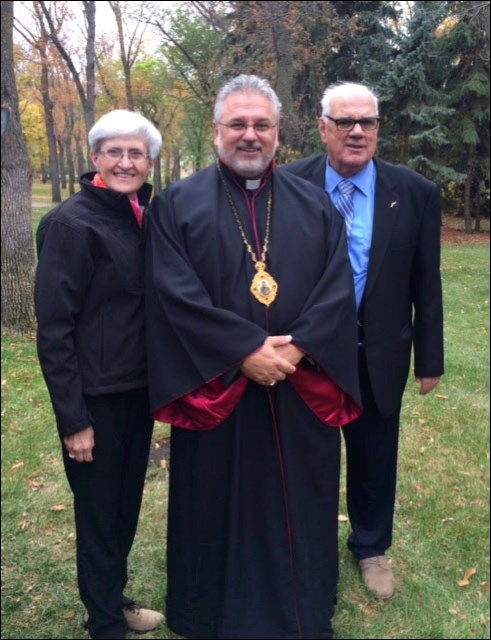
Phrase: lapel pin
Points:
(393, 204)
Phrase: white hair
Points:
(122, 122)
(346, 89)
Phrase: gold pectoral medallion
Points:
(263, 287)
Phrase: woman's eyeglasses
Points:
(135, 155)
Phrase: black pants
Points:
(371, 459)
(107, 499)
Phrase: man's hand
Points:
(267, 365)
(79, 445)
(291, 353)
(427, 384)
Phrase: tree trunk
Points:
(67, 142)
(477, 207)
(50, 130)
(167, 169)
(17, 259)
(279, 12)
(48, 106)
(71, 168)
(468, 191)
(157, 175)
(89, 106)
(80, 156)
(61, 153)
(176, 163)
(125, 57)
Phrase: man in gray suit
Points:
(393, 221)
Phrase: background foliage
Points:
(428, 61)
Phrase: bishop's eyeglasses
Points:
(239, 126)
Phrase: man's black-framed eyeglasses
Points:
(347, 124)
(239, 126)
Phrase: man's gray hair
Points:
(346, 89)
(246, 83)
(122, 122)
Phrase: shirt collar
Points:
(362, 180)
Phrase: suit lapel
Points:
(385, 213)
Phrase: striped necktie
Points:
(345, 203)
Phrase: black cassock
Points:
(254, 481)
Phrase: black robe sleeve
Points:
(190, 340)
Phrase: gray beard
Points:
(248, 169)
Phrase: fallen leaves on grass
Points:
(58, 507)
(466, 579)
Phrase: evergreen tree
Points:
(466, 88)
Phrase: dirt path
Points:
(459, 236)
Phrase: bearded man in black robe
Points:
(252, 346)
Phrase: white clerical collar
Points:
(253, 184)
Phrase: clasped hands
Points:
(273, 361)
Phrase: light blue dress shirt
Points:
(360, 239)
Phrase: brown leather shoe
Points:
(142, 620)
(378, 577)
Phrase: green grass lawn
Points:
(442, 511)
(442, 516)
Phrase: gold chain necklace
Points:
(263, 286)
